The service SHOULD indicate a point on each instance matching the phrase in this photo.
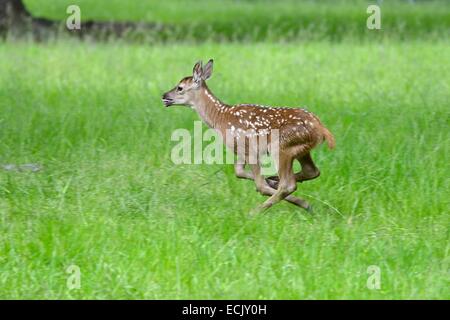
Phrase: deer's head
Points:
(185, 92)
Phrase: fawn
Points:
(298, 131)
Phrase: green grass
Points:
(284, 20)
(110, 200)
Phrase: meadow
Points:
(109, 199)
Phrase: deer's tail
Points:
(328, 136)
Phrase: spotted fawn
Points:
(292, 132)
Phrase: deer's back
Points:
(298, 129)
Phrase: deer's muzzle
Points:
(166, 100)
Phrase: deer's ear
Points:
(207, 70)
(197, 71)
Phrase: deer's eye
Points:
(179, 88)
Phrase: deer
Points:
(297, 130)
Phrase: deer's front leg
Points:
(239, 170)
(287, 184)
(265, 189)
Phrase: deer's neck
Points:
(209, 108)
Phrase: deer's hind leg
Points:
(286, 185)
(309, 171)
(265, 189)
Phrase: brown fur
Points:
(298, 129)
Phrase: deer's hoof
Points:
(309, 209)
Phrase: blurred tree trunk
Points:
(13, 9)
(12, 12)
(17, 20)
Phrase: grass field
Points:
(109, 199)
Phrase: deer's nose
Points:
(166, 100)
